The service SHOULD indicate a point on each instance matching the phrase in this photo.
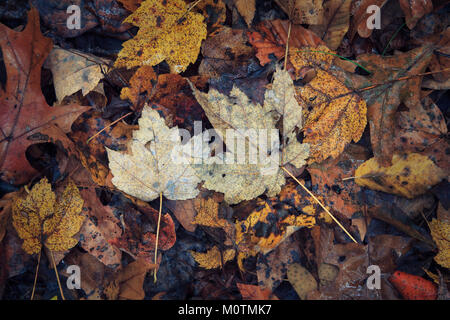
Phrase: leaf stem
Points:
(320, 203)
(157, 235)
(36, 274)
(57, 276)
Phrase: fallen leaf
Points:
(303, 11)
(149, 169)
(225, 51)
(440, 231)
(213, 258)
(74, 70)
(40, 220)
(167, 31)
(208, 214)
(409, 176)
(254, 292)
(214, 11)
(271, 36)
(246, 181)
(334, 114)
(327, 180)
(143, 81)
(131, 5)
(24, 53)
(301, 279)
(383, 100)
(246, 9)
(361, 15)
(414, 10)
(336, 22)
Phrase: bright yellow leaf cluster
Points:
(40, 219)
(167, 31)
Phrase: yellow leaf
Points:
(142, 81)
(409, 175)
(39, 217)
(334, 115)
(212, 258)
(440, 231)
(166, 32)
(208, 214)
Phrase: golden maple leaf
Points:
(167, 31)
(334, 115)
(440, 231)
(41, 220)
(212, 258)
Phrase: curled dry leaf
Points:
(167, 31)
(39, 217)
(410, 175)
(74, 70)
(24, 53)
(334, 114)
(360, 15)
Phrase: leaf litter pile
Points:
(353, 202)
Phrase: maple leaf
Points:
(246, 181)
(167, 31)
(150, 168)
(41, 220)
(409, 175)
(334, 115)
(383, 100)
(212, 259)
(440, 231)
(24, 53)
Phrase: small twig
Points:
(287, 45)
(36, 274)
(320, 203)
(109, 125)
(57, 276)
(157, 235)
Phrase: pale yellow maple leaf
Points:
(246, 181)
(167, 31)
(41, 220)
(149, 168)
